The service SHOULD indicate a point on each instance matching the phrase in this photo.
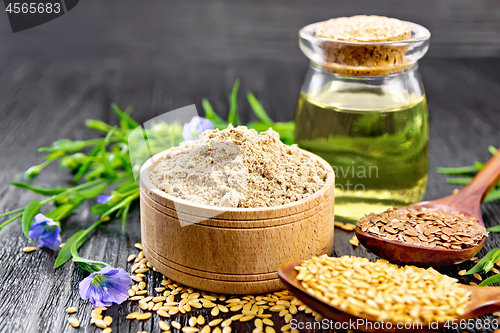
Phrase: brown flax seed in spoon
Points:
(456, 233)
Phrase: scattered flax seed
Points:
(472, 284)
(71, 310)
(383, 291)
(174, 298)
(494, 270)
(354, 241)
(268, 322)
(131, 257)
(215, 322)
(462, 272)
(338, 224)
(29, 249)
(61, 245)
(247, 318)
(108, 320)
(345, 226)
(133, 315)
(138, 246)
(164, 326)
(176, 325)
(144, 316)
(74, 322)
(424, 227)
(477, 276)
(107, 330)
(269, 329)
(101, 324)
(226, 323)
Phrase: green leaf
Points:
(29, 213)
(492, 279)
(104, 158)
(459, 180)
(65, 210)
(65, 252)
(457, 171)
(86, 166)
(493, 195)
(98, 125)
(39, 190)
(258, 109)
(494, 229)
(93, 192)
(233, 117)
(209, 111)
(492, 150)
(69, 146)
(124, 216)
(125, 116)
(482, 263)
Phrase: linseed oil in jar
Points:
(363, 109)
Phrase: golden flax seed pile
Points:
(383, 291)
(237, 167)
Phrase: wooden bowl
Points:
(233, 250)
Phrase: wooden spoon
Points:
(484, 300)
(466, 201)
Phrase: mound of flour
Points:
(237, 167)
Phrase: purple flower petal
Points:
(102, 199)
(36, 230)
(195, 127)
(47, 232)
(105, 287)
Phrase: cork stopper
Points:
(364, 45)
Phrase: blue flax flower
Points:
(195, 127)
(47, 231)
(103, 199)
(105, 287)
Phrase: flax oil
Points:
(376, 143)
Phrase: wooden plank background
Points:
(161, 55)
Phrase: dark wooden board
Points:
(170, 54)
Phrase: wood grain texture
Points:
(170, 54)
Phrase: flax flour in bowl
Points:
(221, 213)
(238, 168)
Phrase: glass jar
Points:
(363, 109)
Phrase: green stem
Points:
(457, 171)
(12, 212)
(10, 220)
(76, 245)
